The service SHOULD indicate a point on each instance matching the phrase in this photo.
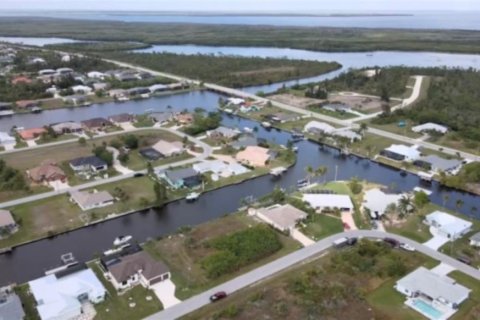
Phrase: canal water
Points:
(30, 261)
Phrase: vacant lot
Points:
(295, 100)
(183, 252)
(358, 102)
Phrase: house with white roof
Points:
(347, 134)
(430, 126)
(448, 225)
(236, 101)
(82, 89)
(219, 168)
(400, 152)
(91, 200)
(5, 138)
(282, 217)
(475, 240)
(62, 295)
(325, 202)
(316, 127)
(435, 296)
(377, 201)
(96, 75)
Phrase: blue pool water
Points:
(427, 309)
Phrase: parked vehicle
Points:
(394, 243)
(464, 260)
(407, 247)
(344, 242)
(218, 296)
(138, 174)
(346, 226)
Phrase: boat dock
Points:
(278, 171)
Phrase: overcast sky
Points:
(308, 6)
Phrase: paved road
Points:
(207, 151)
(296, 257)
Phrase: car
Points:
(346, 226)
(464, 260)
(392, 242)
(138, 174)
(406, 247)
(218, 296)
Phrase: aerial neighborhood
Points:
(141, 179)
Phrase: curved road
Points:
(291, 259)
(207, 151)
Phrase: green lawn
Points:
(62, 137)
(137, 162)
(28, 302)
(319, 226)
(470, 309)
(393, 127)
(335, 114)
(118, 306)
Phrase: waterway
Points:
(30, 261)
(465, 20)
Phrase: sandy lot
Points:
(299, 102)
(362, 103)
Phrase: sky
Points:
(292, 6)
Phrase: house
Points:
(91, 200)
(347, 134)
(157, 88)
(317, 127)
(5, 138)
(46, 172)
(62, 295)
(67, 127)
(10, 306)
(437, 164)
(91, 164)
(448, 225)
(143, 75)
(219, 168)
(138, 91)
(245, 140)
(21, 80)
(475, 240)
(400, 152)
(30, 134)
(37, 60)
(80, 89)
(282, 217)
(235, 101)
(377, 201)
(7, 223)
(430, 126)
(121, 118)
(222, 133)
(150, 154)
(284, 117)
(96, 75)
(327, 202)
(5, 109)
(117, 93)
(78, 100)
(96, 124)
(337, 107)
(126, 76)
(179, 178)
(434, 296)
(184, 118)
(46, 72)
(162, 117)
(99, 86)
(64, 71)
(168, 149)
(246, 108)
(26, 104)
(132, 269)
(254, 156)
(65, 58)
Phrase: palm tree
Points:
(445, 197)
(363, 128)
(321, 171)
(405, 206)
(310, 173)
(459, 204)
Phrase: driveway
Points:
(347, 217)
(437, 241)
(59, 185)
(443, 269)
(165, 291)
(300, 237)
(117, 165)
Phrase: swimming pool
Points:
(427, 309)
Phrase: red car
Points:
(346, 226)
(218, 296)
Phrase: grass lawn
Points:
(117, 306)
(470, 309)
(183, 253)
(319, 226)
(452, 140)
(137, 162)
(371, 145)
(62, 137)
(57, 214)
(335, 114)
(393, 127)
(11, 195)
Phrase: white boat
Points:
(248, 130)
(123, 99)
(266, 124)
(192, 196)
(121, 240)
(295, 149)
(115, 250)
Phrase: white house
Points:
(377, 201)
(137, 268)
(435, 296)
(323, 202)
(318, 127)
(167, 148)
(347, 134)
(96, 75)
(448, 225)
(219, 168)
(400, 152)
(5, 138)
(236, 101)
(282, 217)
(91, 200)
(430, 126)
(61, 296)
(82, 89)
(475, 240)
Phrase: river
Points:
(465, 20)
(30, 261)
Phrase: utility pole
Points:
(336, 172)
